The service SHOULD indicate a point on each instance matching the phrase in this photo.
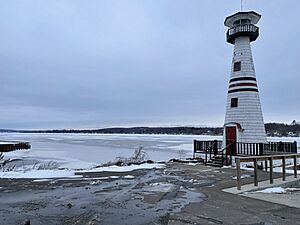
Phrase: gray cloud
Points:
(106, 63)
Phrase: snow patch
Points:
(34, 174)
(160, 187)
(128, 177)
(41, 180)
(124, 168)
(277, 190)
(242, 177)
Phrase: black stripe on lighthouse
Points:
(243, 89)
(242, 78)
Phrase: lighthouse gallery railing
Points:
(242, 28)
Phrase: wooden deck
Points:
(269, 158)
(9, 146)
(217, 155)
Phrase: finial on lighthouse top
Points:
(249, 17)
(241, 5)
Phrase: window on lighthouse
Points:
(237, 66)
(234, 102)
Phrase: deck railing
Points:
(203, 146)
(257, 149)
(213, 148)
(286, 147)
(249, 148)
(269, 158)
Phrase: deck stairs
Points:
(216, 161)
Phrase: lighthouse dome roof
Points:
(250, 15)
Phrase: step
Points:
(217, 159)
(218, 156)
(214, 164)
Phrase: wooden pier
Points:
(9, 146)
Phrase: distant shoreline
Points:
(272, 129)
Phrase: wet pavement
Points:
(175, 195)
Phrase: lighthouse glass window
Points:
(234, 102)
(237, 66)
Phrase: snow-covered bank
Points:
(33, 174)
(124, 168)
(55, 173)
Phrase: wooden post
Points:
(295, 147)
(283, 168)
(215, 146)
(226, 155)
(238, 173)
(255, 173)
(261, 149)
(194, 149)
(271, 170)
(222, 158)
(280, 146)
(266, 165)
(295, 166)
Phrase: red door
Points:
(230, 138)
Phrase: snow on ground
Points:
(125, 168)
(38, 174)
(273, 190)
(278, 190)
(129, 177)
(5, 143)
(244, 176)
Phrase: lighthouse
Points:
(244, 119)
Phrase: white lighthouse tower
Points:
(244, 120)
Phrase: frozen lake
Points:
(82, 151)
(85, 151)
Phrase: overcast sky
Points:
(97, 63)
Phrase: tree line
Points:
(272, 129)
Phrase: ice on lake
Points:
(85, 151)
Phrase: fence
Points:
(286, 147)
(204, 146)
(269, 158)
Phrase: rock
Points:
(119, 163)
(27, 222)
(69, 205)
